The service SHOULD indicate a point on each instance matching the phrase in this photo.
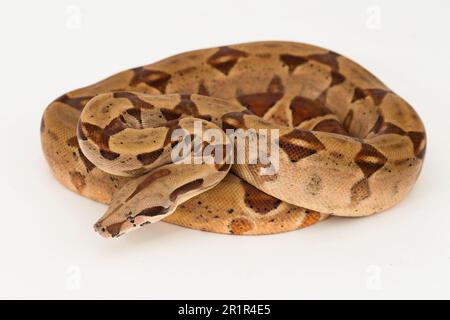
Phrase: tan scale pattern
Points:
(349, 146)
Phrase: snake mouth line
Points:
(112, 231)
(117, 229)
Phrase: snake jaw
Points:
(100, 229)
(111, 231)
(120, 220)
(115, 230)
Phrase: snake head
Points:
(137, 203)
(153, 196)
(113, 224)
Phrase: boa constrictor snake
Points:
(349, 146)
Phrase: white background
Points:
(48, 248)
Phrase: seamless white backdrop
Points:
(47, 245)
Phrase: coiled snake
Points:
(349, 146)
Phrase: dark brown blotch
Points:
(135, 113)
(390, 128)
(259, 103)
(109, 155)
(259, 201)
(115, 126)
(275, 85)
(289, 143)
(336, 78)
(186, 105)
(222, 166)
(153, 211)
(369, 159)
(75, 102)
(381, 127)
(417, 138)
(358, 94)
(419, 143)
(72, 142)
(149, 157)
(78, 180)
(234, 120)
(203, 90)
(196, 184)
(360, 191)
(170, 115)
(114, 229)
(330, 59)
(292, 62)
(225, 59)
(331, 126)
(153, 78)
(304, 109)
(378, 124)
(87, 164)
(134, 99)
(52, 135)
(93, 133)
(171, 127)
(377, 95)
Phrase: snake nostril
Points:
(103, 231)
(99, 228)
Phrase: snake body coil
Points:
(349, 146)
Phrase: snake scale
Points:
(348, 145)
